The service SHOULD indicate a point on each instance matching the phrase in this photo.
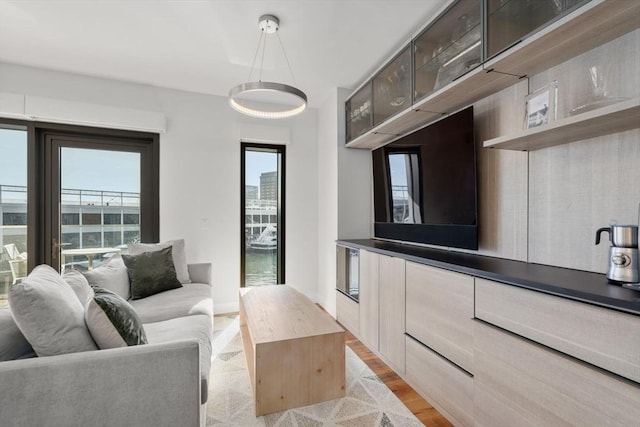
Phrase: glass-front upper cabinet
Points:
(509, 21)
(359, 112)
(448, 48)
(392, 87)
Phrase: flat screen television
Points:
(424, 185)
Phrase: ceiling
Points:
(208, 46)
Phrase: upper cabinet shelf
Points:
(603, 121)
(589, 26)
(449, 71)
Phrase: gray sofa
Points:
(162, 383)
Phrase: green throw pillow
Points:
(151, 273)
(112, 321)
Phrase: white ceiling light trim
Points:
(268, 24)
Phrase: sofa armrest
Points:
(146, 385)
(200, 273)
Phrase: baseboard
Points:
(226, 307)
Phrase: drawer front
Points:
(606, 338)
(443, 384)
(440, 312)
(518, 382)
(347, 313)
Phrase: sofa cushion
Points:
(191, 299)
(151, 273)
(112, 321)
(79, 284)
(13, 345)
(199, 327)
(179, 255)
(111, 275)
(49, 314)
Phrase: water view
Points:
(261, 268)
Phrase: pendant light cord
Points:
(285, 57)
(255, 56)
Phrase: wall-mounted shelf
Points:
(587, 27)
(603, 121)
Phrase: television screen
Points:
(425, 185)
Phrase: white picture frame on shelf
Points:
(541, 106)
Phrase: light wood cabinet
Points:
(348, 313)
(368, 300)
(440, 312)
(606, 338)
(446, 386)
(591, 25)
(518, 382)
(392, 311)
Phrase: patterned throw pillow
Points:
(151, 273)
(112, 321)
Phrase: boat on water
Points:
(266, 241)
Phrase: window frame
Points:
(41, 137)
(279, 149)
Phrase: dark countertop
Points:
(584, 286)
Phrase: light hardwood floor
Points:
(426, 413)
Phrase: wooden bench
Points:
(294, 349)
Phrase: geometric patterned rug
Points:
(367, 403)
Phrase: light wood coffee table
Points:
(294, 349)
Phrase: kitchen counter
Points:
(578, 285)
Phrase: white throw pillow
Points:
(178, 252)
(79, 284)
(111, 275)
(49, 314)
(113, 322)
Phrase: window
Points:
(262, 214)
(66, 187)
(129, 218)
(404, 171)
(111, 218)
(13, 206)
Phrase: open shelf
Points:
(603, 121)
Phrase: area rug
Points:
(368, 402)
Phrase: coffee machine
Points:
(623, 253)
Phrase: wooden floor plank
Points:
(420, 408)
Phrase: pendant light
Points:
(267, 92)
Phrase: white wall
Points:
(200, 171)
(327, 201)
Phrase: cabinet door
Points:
(369, 299)
(518, 382)
(347, 313)
(392, 311)
(442, 383)
(440, 312)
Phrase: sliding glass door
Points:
(97, 187)
(73, 196)
(13, 206)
